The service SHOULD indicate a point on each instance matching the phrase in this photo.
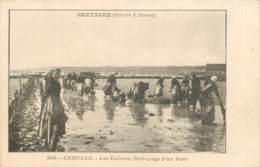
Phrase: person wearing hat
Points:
(208, 92)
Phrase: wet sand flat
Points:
(97, 124)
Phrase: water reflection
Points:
(159, 127)
(80, 109)
(91, 100)
(184, 112)
(109, 107)
(168, 115)
(80, 114)
(138, 112)
(209, 138)
(79, 104)
(159, 109)
(173, 111)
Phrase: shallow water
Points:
(97, 124)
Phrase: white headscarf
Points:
(214, 78)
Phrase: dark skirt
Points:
(175, 94)
(54, 110)
(208, 110)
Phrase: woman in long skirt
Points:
(208, 91)
(53, 117)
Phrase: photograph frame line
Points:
(10, 10)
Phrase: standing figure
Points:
(73, 82)
(208, 91)
(92, 85)
(185, 88)
(194, 92)
(159, 87)
(47, 78)
(68, 81)
(80, 83)
(175, 90)
(53, 118)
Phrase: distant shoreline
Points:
(120, 69)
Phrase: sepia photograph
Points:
(117, 81)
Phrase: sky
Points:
(61, 38)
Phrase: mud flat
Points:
(97, 124)
(24, 127)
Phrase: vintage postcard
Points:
(138, 86)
